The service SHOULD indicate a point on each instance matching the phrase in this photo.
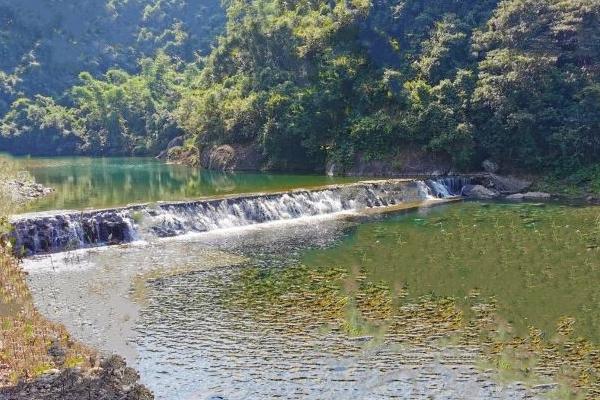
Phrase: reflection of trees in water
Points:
(220, 182)
(106, 182)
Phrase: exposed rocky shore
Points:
(111, 380)
(23, 190)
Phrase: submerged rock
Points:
(479, 192)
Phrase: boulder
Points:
(507, 184)
(536, 196)
(490, 166)
(173, 144)
(232, 158)
(479, 192)
(515, 197)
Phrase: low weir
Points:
(51, 232)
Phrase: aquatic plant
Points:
(515, 282)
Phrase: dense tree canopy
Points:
(45, 44)
(307, 81)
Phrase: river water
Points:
(84, 182)
(460, 301)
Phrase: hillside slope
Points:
(298, 83)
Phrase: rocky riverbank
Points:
(38, 358)
(17, 187)
(23, 191)
(111, 380)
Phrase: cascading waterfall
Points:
(46, 233)
(449, 186)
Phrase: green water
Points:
(519, 281)
(538, 264)
(82, 182)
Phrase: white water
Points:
(47, 233)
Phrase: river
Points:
(464, 300)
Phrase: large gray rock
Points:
(507, 184)
(490, 166)
(232, 158)
(479, 192)
(536, 196)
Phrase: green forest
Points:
(305, 81)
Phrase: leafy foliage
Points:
(307, 81)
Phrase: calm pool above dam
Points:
(468, 300)
(83, 182)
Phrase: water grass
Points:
(517, 282)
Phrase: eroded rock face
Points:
(232, 158)
(479, 192)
